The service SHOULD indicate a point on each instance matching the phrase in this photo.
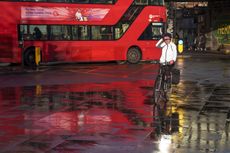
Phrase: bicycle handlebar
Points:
(165, 63)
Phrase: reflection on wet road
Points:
(108, 108)
(70, 117)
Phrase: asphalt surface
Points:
(107, 107)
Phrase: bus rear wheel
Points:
(29, 57)
(133, 55)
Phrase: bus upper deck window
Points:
(156, 2)
(102, 1)
(80, 1)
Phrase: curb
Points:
(4, 64)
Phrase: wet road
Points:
(108, 108)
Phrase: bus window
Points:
(35, 0)
(58, 1)
(107, 32)
(156, 2)
(120, 30)
(149, 2)
(157, 32)
(102, 1)
(75, 32)
(60, 32)
(33, 32)
(96, 35)
(80, 1)
(141, 2)
(38, 32)
(154, 31)
(127, 19)
(80, 33)
(102, 33)
(23, 35)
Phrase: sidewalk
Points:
(208, 54)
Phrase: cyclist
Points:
(167, 60)
(169, 50)
(169, 53)
(164, 78)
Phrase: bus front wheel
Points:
(29, 57)
(133, 55)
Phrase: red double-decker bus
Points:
(81, 30)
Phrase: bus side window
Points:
(33, 32)
(80, 33)
(56, 1)
(96, 33)
(156, 2)
(25, 33)
(75, 32)
(120, 30)
(141, 2)
(80, 1)
(38, 32)
(154, 31)
(107, 32)
(102, 1)
(58, 32)
(102, 32)
(83, 33)
(22, 32)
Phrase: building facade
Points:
(192, 20)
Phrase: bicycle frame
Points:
(163, 83)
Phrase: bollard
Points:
(38, 90)
(37, 55)
(180, 46)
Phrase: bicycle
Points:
(163, 83)
(162, 90)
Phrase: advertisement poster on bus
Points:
(63, 13)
